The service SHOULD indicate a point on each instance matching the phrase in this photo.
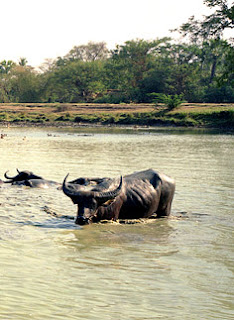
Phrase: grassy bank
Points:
(187, 115)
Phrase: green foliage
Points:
(209, 118)
(199, 71)
(4, 116)
(90, 52)
(25, 84)
(219, 94)
(64, 118)
(114, 97)
(23, 62)
(6, 66)
(4, 97)
(76, 81)
(130, 63)
(213, 25)
(227, 75)
(217, 54)
(170, 101)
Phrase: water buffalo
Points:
(28, 178)
(138, 195)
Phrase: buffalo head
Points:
(89, 199)
(21, 176)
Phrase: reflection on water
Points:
(177, 268)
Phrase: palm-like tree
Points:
(23, 62)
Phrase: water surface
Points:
(176, 268)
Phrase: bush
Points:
(170, 101)
(113, 98)
(223, 94)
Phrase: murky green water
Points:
(177, 268)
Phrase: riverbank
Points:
(220, 116)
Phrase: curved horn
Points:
(67, 190)
(108, 195)
(7, 177)
(18, 170)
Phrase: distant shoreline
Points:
(135, 116)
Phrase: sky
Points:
(46, 29)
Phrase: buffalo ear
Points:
(110, 209)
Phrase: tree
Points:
(227, 75)
(5, 74)
(221, 19)
(216, 54)
(48, 65)
(129, 64)
(213, 58)
(90, 52)
(23, 62)
(175, 70)
(5, 90)
(24, 83)
(76, 81)
(212, 26)
(6, 66)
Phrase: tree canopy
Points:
(213, 25)
(200, 68)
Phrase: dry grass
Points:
(79, 108)
(91, 108)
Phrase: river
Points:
(176, 268)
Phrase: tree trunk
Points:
(213, 69)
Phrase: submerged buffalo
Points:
(28, 178)
(138, 195)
